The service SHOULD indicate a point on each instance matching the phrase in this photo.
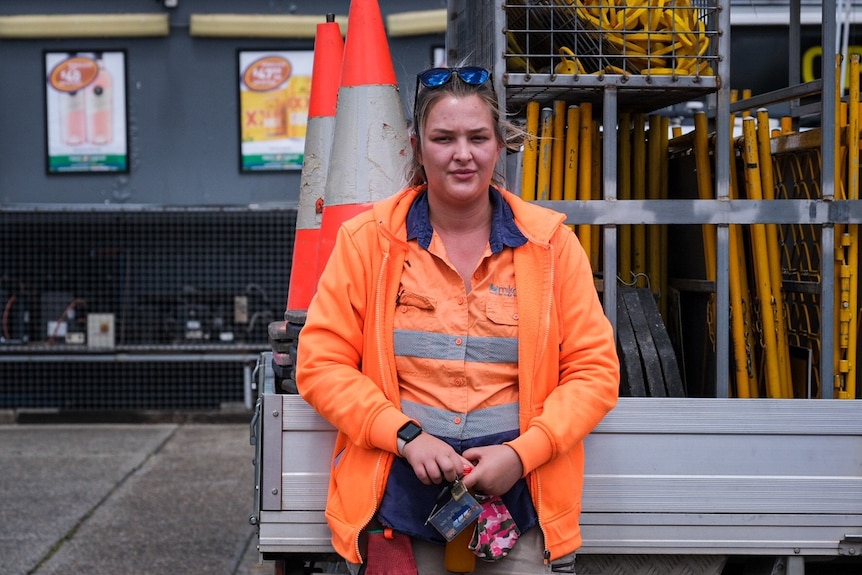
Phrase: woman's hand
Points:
(496, 468)
(433, 460)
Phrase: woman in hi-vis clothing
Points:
(457, 343)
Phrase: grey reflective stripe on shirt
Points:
(480, 423)
(431, 345)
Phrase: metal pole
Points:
(609, 170)
(722, 188)
(827, 187)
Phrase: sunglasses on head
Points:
(436, 77)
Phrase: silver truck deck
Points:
(664, 476)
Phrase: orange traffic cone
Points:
(323, 98)
(325, 80)
(371, 144)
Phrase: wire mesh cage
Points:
(137, 308)
(626, 37)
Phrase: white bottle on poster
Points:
(73, 122)
(100, 108)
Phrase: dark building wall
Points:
(182, 106)
(183, 102)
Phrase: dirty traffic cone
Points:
(371, 144)
(325, 80)
(323, 98)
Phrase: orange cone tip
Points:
(326, 71)
(367, 60)
(370, 146)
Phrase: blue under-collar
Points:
(504, 232)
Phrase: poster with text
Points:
(86, 112)
(274, 91)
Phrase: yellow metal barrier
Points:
(847, 248)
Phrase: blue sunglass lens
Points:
(474, 75)
(435, 77)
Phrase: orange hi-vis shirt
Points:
(454, 350)
(456, 357)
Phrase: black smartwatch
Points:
(408, 432)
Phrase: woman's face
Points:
(459, 148)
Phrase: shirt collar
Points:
(504, 231)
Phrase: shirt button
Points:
(460, 301)
(514, 316)
(403, 309)
(457, 421)
(459, 382)
(458, 341)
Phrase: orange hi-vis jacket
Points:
(568, 366)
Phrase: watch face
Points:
(409, 432)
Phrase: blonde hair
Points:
(507, 134)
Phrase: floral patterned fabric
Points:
(496, 532)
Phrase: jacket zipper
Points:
(378, 310)
(382, 364)
(546, 553)
(368, 520)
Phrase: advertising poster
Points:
(274, 90)
(86, 112)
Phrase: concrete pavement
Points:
(144, 498)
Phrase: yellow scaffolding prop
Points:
(739, 292)
(742, 348)
(546, 143)
(573, 127)
(595, 194)
(531, 152)
(703, 171)
(653, 192)
(585, 172)
(639, 193)
(573, 134)
(665, 185)
(558, 153)
(624, 192)
(774, 379)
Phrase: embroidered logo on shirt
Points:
(503, 291)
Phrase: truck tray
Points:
(688, 476)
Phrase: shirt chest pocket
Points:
(414, 311)
(503, 314)
(408, 300)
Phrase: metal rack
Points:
(550, 49)
(471, 39)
